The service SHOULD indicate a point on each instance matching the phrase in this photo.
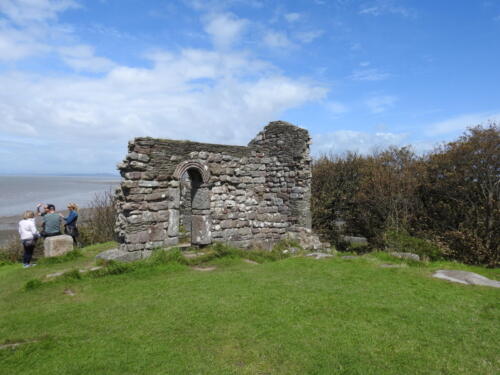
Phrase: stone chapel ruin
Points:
(247, 196)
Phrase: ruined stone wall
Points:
(247, 196)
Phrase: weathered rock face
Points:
(57, 245)
(245, 196)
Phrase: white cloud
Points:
(276, 39)
(216, 95)
(379, 104)
(292, 17)
(336, 107)
(308, 36)
(196, 94)
(28, 11)
(460, 123)
(225, 29)
(29, 27)
(369, 75)
(82, 58)
(348, 140)
(381, 7)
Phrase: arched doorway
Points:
(194, 208)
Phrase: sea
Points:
(21, 193)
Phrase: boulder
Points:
(119, 255)
(57, 245)
(464, 277)
(409, 256)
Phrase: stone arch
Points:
(194, 208)
(192, 164)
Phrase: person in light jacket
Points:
(28, 234)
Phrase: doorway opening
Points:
(194, 220)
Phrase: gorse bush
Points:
(100, 225)
(451, 196)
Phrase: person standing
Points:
(51, 222)
(70, 227)
(28, 235)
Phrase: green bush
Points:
(402, 242)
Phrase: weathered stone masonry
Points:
(245, 196)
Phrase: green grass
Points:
(287, 316)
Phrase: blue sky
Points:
(78, 79)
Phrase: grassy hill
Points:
(291, 316)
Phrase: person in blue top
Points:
(70, 227)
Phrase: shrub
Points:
(100, 225)
(402, 242)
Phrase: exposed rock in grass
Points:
(319, 255)
(249, 261)
(119, 255)
(388, 265)
(464, 277)
(350, 257)
(12, 345)
(204, 269)
(409, 256)
(69, 292)
(55, 274)
(192, 254)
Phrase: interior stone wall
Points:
(248, 196)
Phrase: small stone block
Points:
(57, 245)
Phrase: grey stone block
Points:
(200, 230)
(57, 245)
(173, 223)
(353, 240)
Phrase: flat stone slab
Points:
(249, 261)
(319, 255)
(204, 269)
(16, 344)
(55, 274)
(465, 277)
(350, 257)
(192, 254)
(57, 245)
(409, 256)
(119, 255)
